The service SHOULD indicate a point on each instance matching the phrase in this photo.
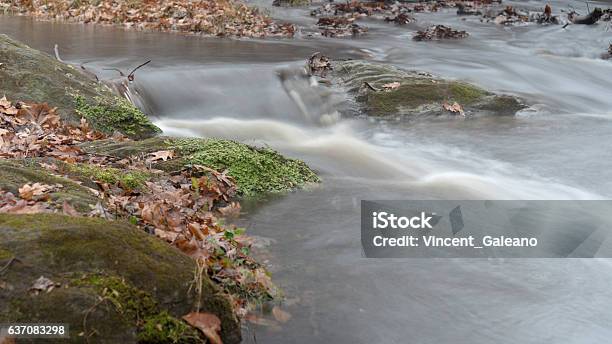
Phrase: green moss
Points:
(115, 114)
(416, 92)
(5, 254)
(127, 179)
(163, 328)
(129, 301)
(154, 326)
(255, 169)
(33, 76)
(465, 94)
(502, 105)
(141, 278)
(15, 173)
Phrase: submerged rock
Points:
(256, 170)
(112, 281)
(33, 76)
(377, 90)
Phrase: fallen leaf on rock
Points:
(29, 192)
(391, 86)
(280, 315)
(208, 323)
(43, 284)
(455, 108)
(437, 32)
(162, 155)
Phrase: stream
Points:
(559, 148)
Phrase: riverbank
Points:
(71, 150)
(204, 17)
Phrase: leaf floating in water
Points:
(280, 315)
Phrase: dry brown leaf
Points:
(29, 192)
(162, 155)
(208, 323)
(455, 108)
(69, 210)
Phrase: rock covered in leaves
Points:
(219, 18)
(318, 64)
(438, 32)
(340, 27)
(28, 75)
(111, 282)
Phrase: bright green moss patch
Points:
(128, 179)
(255, 169)
(115, 114)
(129, 301)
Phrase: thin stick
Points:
(8, 265)
(115, 69)
(131, 75)
(85, 318)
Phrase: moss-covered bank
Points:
(30, 75)
(118, 284)
(418, 93)
(256, 170)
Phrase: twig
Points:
(7, 265)
(370, 86)
(91, 309)
(115, 69)
(131, 75)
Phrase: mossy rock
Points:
(418, 93)
(33, 76)
(256, 170)
(15, 173)
(130, 286)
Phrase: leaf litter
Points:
(186, 208)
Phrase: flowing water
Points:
(557, 149)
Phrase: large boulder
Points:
(114, 282)
(418, 93)
(32, 76)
